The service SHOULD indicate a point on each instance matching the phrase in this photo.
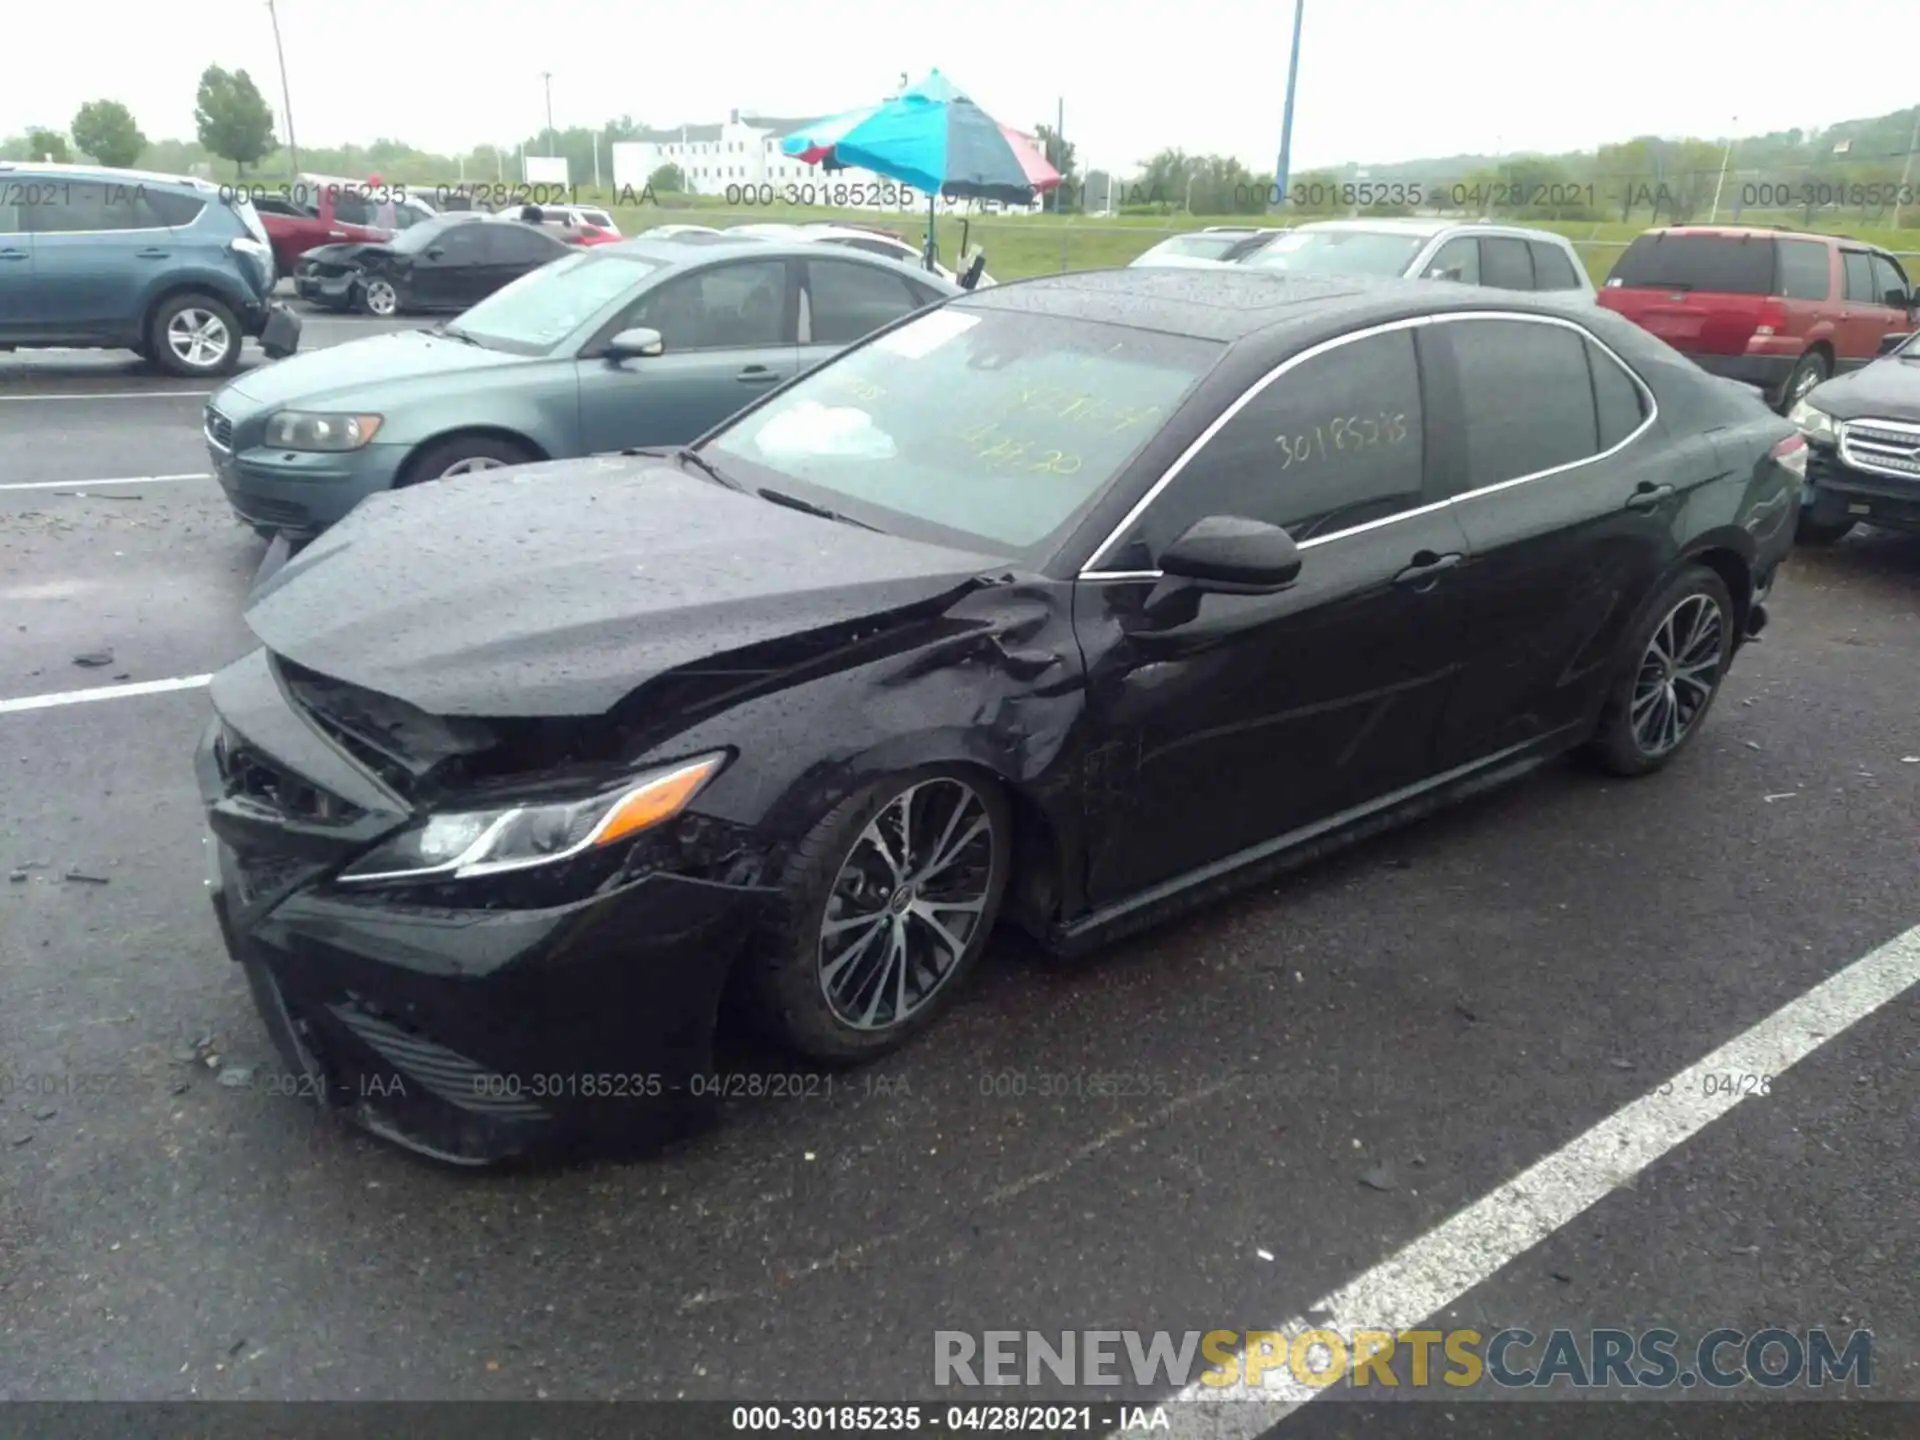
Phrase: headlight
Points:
(1814, 424)
(471, 843)
(307, 430)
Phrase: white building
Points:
(740, 162)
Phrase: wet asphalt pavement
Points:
(1434, 1011)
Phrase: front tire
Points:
(1811, 370)
(1670, 671)
(379, 297)
(463, 455)
(887, 905)
(194, 336)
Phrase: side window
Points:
(350, 207)
(1887, 279)
(1335, 442)
(76, 206)
(1621, 405)
(1804, 270)
(1526, 397)
(168, 207)
(1458, 259)
(849, 300)
(509, 244)
(727, 307)
(1504, 263)
(463, 245)
(1859, 276)
(1552, 270)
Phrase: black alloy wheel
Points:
(889, 902)
(1671, 671)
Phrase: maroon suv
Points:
(1774, 308)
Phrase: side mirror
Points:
(1233, 555)
(435, 253)
(635, 344)
(1891, 343)
(1897, 300)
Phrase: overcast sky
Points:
(1380, 80)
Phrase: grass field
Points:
(1021, 246)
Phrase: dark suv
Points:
(173, 268)
(1776, 309)
(1864, 461)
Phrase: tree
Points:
(234, 119)
(667, 180)
(1059, 154)
(48, 145)
(105, 130)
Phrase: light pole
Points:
(1280, 169)
(1189, 206)
(1725, 159)
(547, 77)
(286, 96)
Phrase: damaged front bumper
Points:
(472, 1036)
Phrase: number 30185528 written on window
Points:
(1342, 435)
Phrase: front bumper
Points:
(330, 292)
(301, 493)
(1837, 491)
(470, 1036)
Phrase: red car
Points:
(319, 211)
(1776, 309)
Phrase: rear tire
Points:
(1668, 674)
(1810, 531)
(886, 907)
(1812, 369)
(194, 336)
(463, 455)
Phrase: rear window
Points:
(1727, 264)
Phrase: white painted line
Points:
(1438, 1268)
(108, 395)
(81, 486)
(104, 692)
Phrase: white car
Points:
(854, 237)
(565, 215)
(1474, 252)
(1203, 249)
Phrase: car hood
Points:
(556, 589)
(1888, 389)
(318, 377)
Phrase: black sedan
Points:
(1066, 603)
(1864, 433)
(446, 264)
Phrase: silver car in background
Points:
(1476, 252)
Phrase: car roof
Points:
(695, 248)
(1427, 227)
(1756, 232)
(110, 172)
(1228, 303)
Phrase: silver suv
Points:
(1477, 252)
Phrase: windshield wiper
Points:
(686, 455)
(807, 507)
(446, 332)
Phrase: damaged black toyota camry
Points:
(1064, 603)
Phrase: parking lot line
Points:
(1438, 1268)
(81, 485)
(103, 692)
(108, 395)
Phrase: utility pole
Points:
(1725, 158)
(1282, 169)
(547, 77)
(1906, 170)
(286, 96)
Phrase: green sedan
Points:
(650, 342)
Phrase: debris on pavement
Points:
(1380, 1177)
(81, 877)
(94, 659)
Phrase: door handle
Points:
(152, 253)
(1648, 497)
(11, 254)
(336, 234)
(1426, 568)
(757, 375)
